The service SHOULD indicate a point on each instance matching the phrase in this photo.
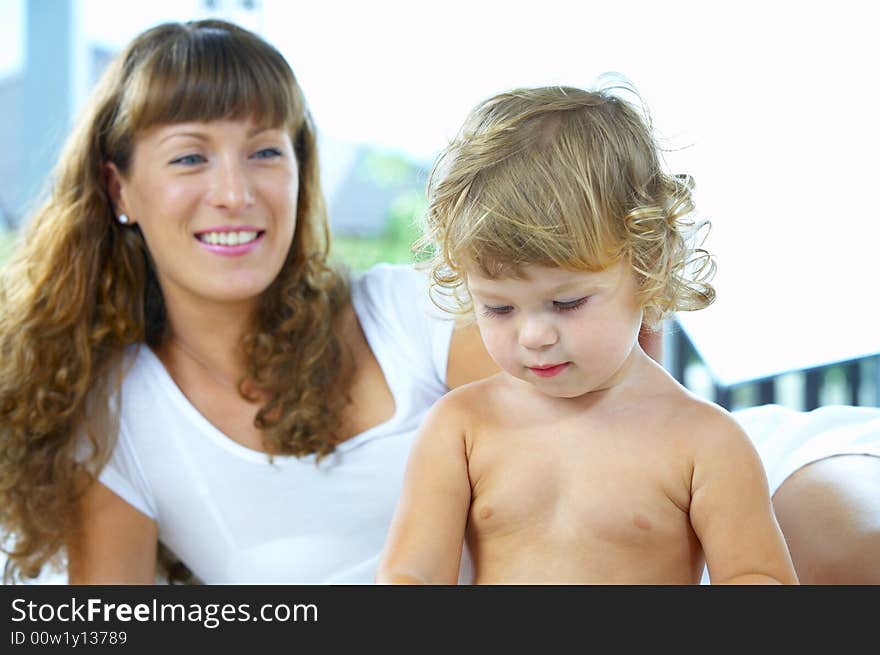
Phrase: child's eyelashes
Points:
(569, 305)
(489, 310)
(558, 305)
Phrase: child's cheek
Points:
(497, 346)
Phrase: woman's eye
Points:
(189, 160)
(501, 310)
(267, 153)
(569, 305)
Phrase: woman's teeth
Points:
(227, 238)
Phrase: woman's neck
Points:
(207, 335)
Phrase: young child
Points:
(582, 461)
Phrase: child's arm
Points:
(731, 510)
(425, 540)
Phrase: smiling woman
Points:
(176, 153)
(216, 204)
(180, 361)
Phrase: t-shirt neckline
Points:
(167, 383)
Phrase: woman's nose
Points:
(231, 185)
(537, 332)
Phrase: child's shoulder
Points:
(459, 414)
(468, 396)
(471, 400)
(680, 408)
(717, 447)
(659, 399)
(709, 427)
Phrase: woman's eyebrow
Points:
(258, 130)
(192, 135)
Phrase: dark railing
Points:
(855, 382)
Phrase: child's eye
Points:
(189, 160)
(267, 153)
(569, 305)
(500, 310)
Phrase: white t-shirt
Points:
(230, 515)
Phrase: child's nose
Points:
(537, 332)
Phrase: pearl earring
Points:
(122, 219)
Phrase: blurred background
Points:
(771, 107)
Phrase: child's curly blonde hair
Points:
(560, 176)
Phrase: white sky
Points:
(776, 101)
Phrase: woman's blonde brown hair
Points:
(81, 287)
(563, 177)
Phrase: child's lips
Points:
(548, 371)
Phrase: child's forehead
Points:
(543, 279)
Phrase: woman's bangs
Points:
(214, 79)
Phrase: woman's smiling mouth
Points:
(230, 241)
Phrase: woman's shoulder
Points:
(401, 324)
(138, 378)
(385, 280)
(136, 363)
(395, 295)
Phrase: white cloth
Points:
(233, 517)
(787, 439)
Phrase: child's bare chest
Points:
(620, 488)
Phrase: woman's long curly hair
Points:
(81, 287)
(563, 177)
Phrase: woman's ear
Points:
(113, 181)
